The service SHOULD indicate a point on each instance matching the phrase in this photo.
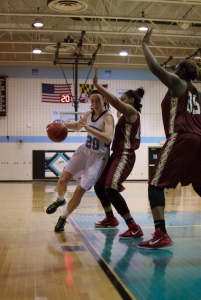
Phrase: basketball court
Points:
(49, 49)
(84, 262)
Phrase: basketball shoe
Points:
(159, 240)
(107, 222)
(134, 231)
(53, 207)
(60, 224)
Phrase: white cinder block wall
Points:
(24, 107)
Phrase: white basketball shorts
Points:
(86, 166)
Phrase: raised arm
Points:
(123, 108)
(172, 81)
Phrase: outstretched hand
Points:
(147, 36)
(95, 79)
(49, 125)
(82, 123)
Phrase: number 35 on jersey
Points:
(193, 107)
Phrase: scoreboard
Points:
(3, 95)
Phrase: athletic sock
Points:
(60, 197)
(65, 214)
(160, 224)
(109, 214)
(129, 221)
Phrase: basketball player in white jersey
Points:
(89, 160)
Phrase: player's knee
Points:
(98, 188)
(156, 196)
(117, 201)
(100, 192)
(62, 181)
(197, 189)
(65, 178)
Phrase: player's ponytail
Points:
(192, 70)
(107, 105)
(137, 95)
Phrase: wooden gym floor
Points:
(84, 263)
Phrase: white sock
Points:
(66, 214)
(61, 197)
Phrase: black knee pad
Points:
(100, 192)
(117, 201)
(197, 189)
(156, 196)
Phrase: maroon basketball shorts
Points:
(179, 161)
(117, 170)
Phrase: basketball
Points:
(57, 132)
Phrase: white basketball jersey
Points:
(92, 142)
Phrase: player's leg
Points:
(197, 189)
(75, 166)
(109, 220)
(62, 184)
(76, 199)
(161, 177)
(134, 230)
(172, 166)
(122, 165)
(160, 238)
(157, 204)
(99, 187)
(93, 164)
(61, 189)
(72, 205)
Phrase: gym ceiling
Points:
(112, 23)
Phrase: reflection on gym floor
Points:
(92, 263)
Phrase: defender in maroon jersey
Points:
(179, 159)
(121, 162)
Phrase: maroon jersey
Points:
(182, 113)
(127, 135)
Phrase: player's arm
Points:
(123, 108)
(76, 126)
(172, 81)
(109, 129)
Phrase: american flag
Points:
(52, 92)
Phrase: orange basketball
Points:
(57, 132)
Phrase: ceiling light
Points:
(37, 50)
(38, 23)
(123, 52)
(142, 25)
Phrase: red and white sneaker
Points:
(134, 231)
(107, 222)
(159, 240)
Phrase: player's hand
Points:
(83, 123)
(48, 126)
(95, 79)
(147, 36)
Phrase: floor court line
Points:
(115, 280)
